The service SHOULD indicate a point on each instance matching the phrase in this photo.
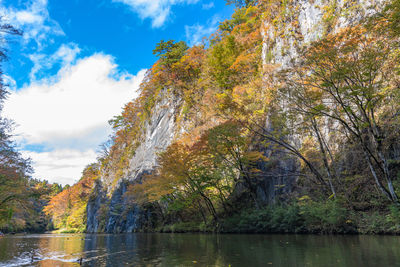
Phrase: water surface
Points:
(199, 250)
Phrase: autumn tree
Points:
(14, 169)
(230, 146)
(202, 176)
(182, 179)
(352, 78)
(68, 208)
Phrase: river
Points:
(198, 250)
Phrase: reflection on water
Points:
(199, 250)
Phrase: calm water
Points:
(199, 250)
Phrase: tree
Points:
(230, 146)
(14, 169)
(68, 208)
(242, 3)
(170, 52)
(182, 179)
(203, 175)
(352, 77)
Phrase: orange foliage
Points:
(62, 205)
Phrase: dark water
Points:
(199, 250)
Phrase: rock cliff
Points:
(304, 22)
(158, 133)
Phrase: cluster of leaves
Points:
(242, 3)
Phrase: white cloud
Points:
(156, 10)
(39, 61)
(208, 6)
(70, 111)
(63, 166)
(65, 55)
(75, 102)
(195, 33)
(26, 17)
(34, 21)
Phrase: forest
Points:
(325, 124)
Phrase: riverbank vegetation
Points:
(314, 217)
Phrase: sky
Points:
(78, 62)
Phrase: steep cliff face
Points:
(286, 33)
(158, 133)
(303, 21)
(307, 21)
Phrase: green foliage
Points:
(238, 18)
(183, 227)
(324, 217)
(242, 3)
(308, 216)
(391, 15)
(273, 219)
(377, 222)
(170, 52)
(222, 57)
(393, 218)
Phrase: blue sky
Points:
(79, 62)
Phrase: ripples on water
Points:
(199, 250)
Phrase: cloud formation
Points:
(65, 55)
(35, 22)
(69, 112)
(196, 33)
(63, 166)
(156, 10)
(208, 6)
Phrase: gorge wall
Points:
(283, 37)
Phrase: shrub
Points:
(324, 217)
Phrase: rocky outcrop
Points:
(93, 208)
(305, 21)
(108, 209)
(308, 21)
(124, 217)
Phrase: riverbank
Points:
(304, 218)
